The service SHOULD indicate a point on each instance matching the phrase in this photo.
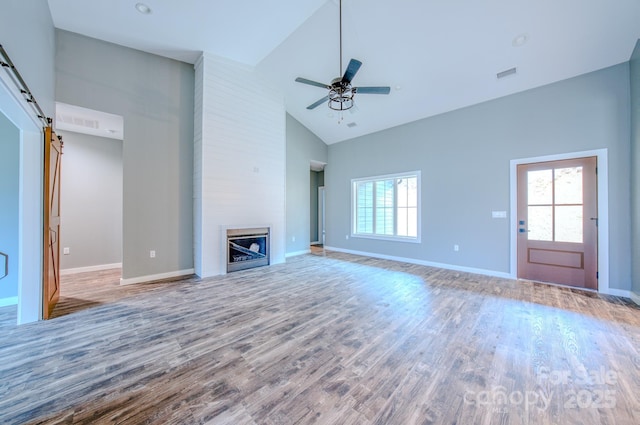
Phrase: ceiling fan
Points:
(341, 92)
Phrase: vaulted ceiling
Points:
(436, 56)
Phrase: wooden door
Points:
(557, 222)
(51, 266)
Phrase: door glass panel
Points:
(568, 183)
(540, 187)
(569, 224)
(540, 223)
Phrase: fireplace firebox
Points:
(247, 248)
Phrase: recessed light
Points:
(143, 8)
(398, 87)
(520, 40)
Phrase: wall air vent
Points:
(78, 121)
(506, 73)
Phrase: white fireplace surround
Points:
(239, 160)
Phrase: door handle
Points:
(595, 219)
(4, 269)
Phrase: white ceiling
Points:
(436, 55)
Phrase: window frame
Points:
(395, 237)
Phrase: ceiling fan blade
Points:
(312, 83)
(372, 90)
(318, 103)
(354, 66)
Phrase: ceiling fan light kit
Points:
(341, 92)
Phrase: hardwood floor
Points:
(325, 339)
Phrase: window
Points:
(387, 207)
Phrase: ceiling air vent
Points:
(351, 124)
(506, 73)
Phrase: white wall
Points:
(91, 202)
(239, 159)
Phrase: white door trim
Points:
(603, 213)
(13, 106)
(321, 210)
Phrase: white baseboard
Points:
(484, 272)
(97, 268)
(616, 292)
(296, 253)
(608, 291)
(154, 277)
(4, 302)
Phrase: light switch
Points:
(499, 214)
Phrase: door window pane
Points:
(540, 223)
(568, 183)
(569, 224)
(540, 187)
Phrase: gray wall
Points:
(155, 96)
(28, 36)
(635, 173)
(9, 198)
(464, 158)
(91, 200)
(302, 148)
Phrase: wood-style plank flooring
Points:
(325, 339)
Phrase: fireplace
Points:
(247, 248)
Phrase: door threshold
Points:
(560, 285)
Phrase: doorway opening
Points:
(317, 204)
(25, 265)
(91, 238)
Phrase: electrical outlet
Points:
(293, 238)
(456, 248)
(152, 254)
(66, 250)
(346, 237)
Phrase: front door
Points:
(557, 222)
(51, 266)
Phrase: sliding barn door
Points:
(51, 266)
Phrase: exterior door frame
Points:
(603, 212)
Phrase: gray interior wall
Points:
(91, 200)
(635, 173)
(464, 157)
(9, 205)
(155, 96)
(28, 36)
(302, 148)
